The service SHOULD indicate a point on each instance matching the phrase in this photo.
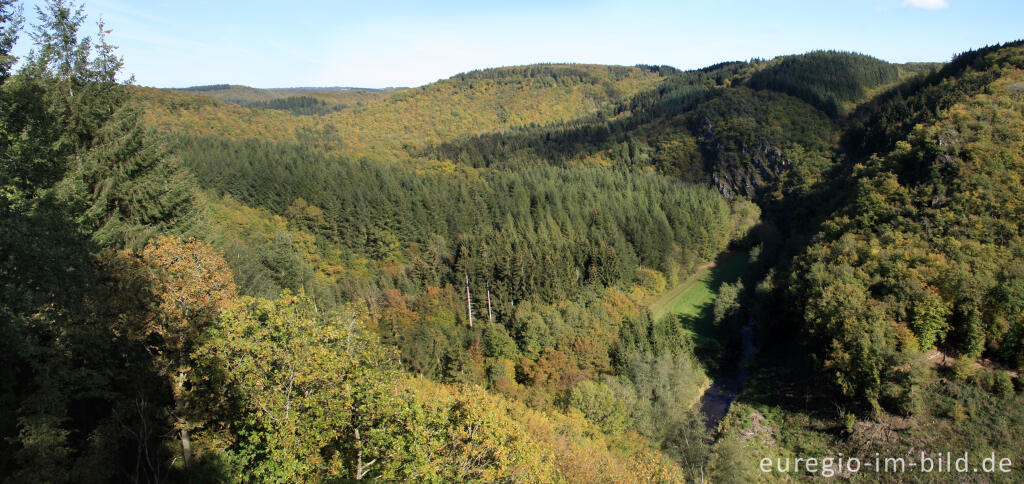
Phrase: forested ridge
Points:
(451, 282)
(386, 124)
(926, 231)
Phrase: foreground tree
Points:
(318, 396)
(70, 383)
(77, 137)
(188, 284)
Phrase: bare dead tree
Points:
(469, 302)
(490, 317)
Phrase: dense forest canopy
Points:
(456, 282)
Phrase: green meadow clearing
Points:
(693, 299)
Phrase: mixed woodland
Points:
(454, 282)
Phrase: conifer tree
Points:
(119, 184)
(128, 186)
(10, 26)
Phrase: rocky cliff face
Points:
(741, 164)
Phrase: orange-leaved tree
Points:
(189, 284)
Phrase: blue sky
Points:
(404, 43)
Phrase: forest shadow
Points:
(63, 299)
(782, 374)
(775, 383)
(705, 343)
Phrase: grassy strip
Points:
(695, 294)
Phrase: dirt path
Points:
(709, 265)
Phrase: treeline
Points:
(211, 87)
(657, 126)
(559, 143)
(743, 141)
(296, 101)
(594, 115)
(558, 73)
(387, 124)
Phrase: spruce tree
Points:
(128, 186)
(119, 184)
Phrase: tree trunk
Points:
(180, 418)
(490, 318)
(359, 455)
(362, 468)
(469, 302)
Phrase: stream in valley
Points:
(715, 402)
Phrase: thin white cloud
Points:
(926, 4)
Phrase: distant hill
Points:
(295, 100)
(746, 127)
(245, 94)
(735, 124)
(826, 79)
(384, 123)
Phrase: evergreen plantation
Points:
(451, 283)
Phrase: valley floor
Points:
(691, 296)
